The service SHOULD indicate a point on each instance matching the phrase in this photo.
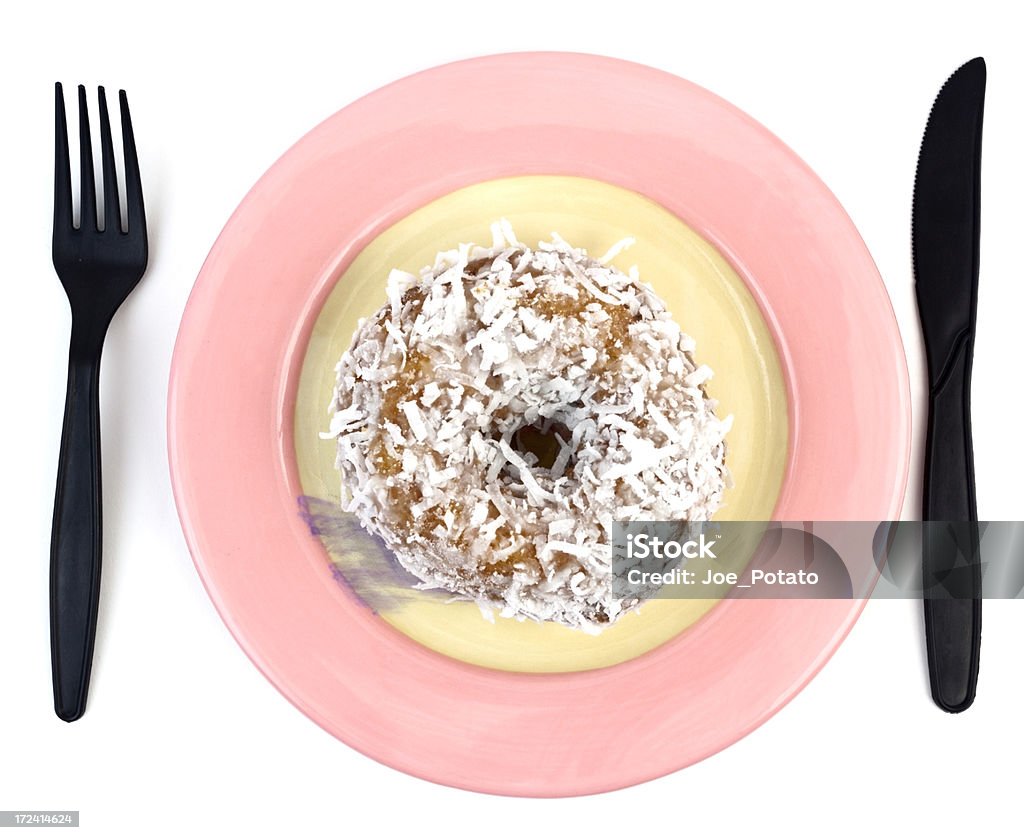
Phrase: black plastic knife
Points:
(947, 200)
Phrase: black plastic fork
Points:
(98, 268)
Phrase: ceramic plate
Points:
(757, 261)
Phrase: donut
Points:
(504, 407)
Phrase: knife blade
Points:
(945, 225)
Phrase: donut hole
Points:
(541, 443)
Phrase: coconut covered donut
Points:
(508, 404)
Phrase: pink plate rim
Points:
(240, 347)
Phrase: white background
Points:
(182, 731)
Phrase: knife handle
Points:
(76, 542)
(952, 624)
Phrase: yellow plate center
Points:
(706, 297)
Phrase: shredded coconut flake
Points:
(432, 396)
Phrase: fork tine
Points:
(88, 212)
(61, 170)
(111, 204)
(132, 179)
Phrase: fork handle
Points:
(76, 542)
